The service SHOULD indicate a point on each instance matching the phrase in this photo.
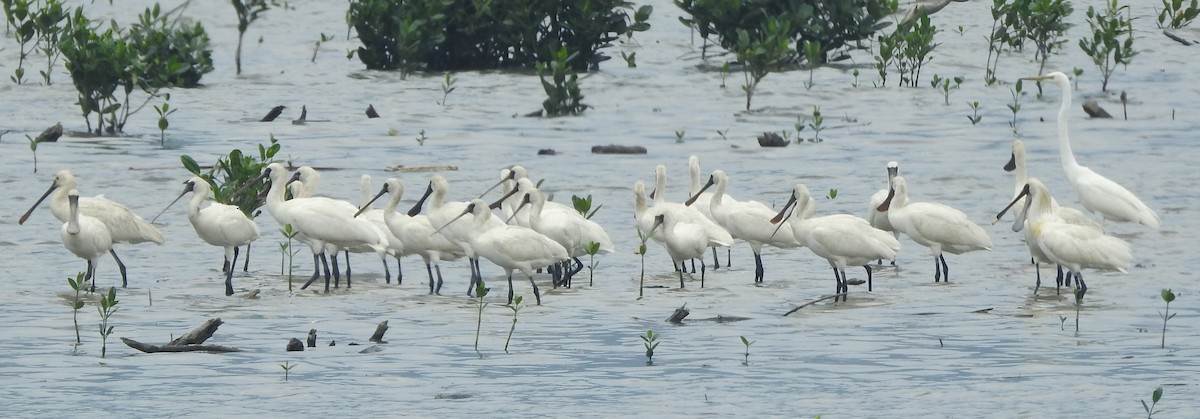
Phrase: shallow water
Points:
(910, 348)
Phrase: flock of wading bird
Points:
(553, 236)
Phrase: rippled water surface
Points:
(980, 346)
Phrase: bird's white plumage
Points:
(510, 247)
(1073, 246)
(939, 227)
(123, 225)
(876, 218)
(85, 236)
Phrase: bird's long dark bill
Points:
(525, 201)
(783, 215)
(1037, 78)
(512, 175)
(697, 195)
(372, 201)
(35, 204)
(469, 209)
(658, 222)
(190, 186)
(1024, 192)
(416, 209)
(1012, 164)
(500, 202)
(887, 203)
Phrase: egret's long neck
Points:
(1064, 142)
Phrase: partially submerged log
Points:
(679, 314)
(1094, 110)
(312, 338)
(191, 341)
(771, 139)
(618, 149)
(379, 331)
(294, 345)
(1177, 38)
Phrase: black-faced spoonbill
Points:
(936, 226)
(85, 236)
(417, 234)
(879, 219)
(218, 224)
(746, 220)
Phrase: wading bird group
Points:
(532, 233)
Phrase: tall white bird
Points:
(417, 234)
(218, 224)
(746, 220)
(1017, 165)
(683, 239)
(395, 246)
(510, 247)
(1097, 193)
(879, 219)
(123, 225)
(310, 178)
(1073, 246)
(683, 212)
(440, 214)
(842, 239)
(320, 223)
(644, 217)
(702, 203)
(567, 227)
(85, 236)
(933, 225)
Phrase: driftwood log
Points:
(679, 314)
(1093, 109)
(379, 331)
(618, 149)
(312, 338)
(191, 341)
(815, 301)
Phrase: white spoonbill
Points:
(879, 219)
(746, 220)
(417, 234)
(123, 225)
(933, 225)
(1016, 164)
(683, 212)
(683, 240)
(218, 224)
(644, 217)
(395, 246)
(702, 203)
(510, 247)
(1098, 193)
(441, 212)
(1073, 246)
(567, 227)
(842, 239)
(310, 178)
(85, 236)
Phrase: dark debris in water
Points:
(452, 396)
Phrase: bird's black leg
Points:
(869, 285)
(510, 288)
(121, 266)
(758, 268)
(1037, 270)
(246, 260)
(429, 269)
(347, 268)
(945, 268)
(316, 271)
(937, 270)
(1082, 286)
(537, 295)
(229, 275)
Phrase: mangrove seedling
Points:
(561, 83)
(650, 341)
(817, 125)
(592, 248)
(724, 73)
(1179, 16)
(855, 74)
(287, 251)
(584, 206)
(975, 116)
(746, 360)
(1015, 106)
(679, 137)
(48, 23)
(108, 306)
(1076, 72)
(813, 54)
(1104, 46)
(1168, 297)
(1154, 398)
(317, 47)
(832, 194)
(447, 87)
(421, 138)
(247, 13)
(944, 84)
(630, 59)
(33, 143)
(287, 368)
(515, 307)
(164, 111)
(78, 286)
(481, 291)
(763, 54)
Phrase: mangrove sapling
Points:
(21, 18)
(1154, 398)
(746, 360)
(630, 59)
(1168, 297)
(481, 291)
(48, 24)
(78, 286)
(679, 137)
(108, 306)
(561, 83)
(944, 84)
(762, 55)
(247, 13)
(421, 138)
(287, 251)
(724, 73)
(33, 143)
(1106, 50)
(1044, 23)
(164, 111)
(447, 87)
(592, 248)
(888, 46)
(813, 54)
(515, 307)
(915, 46)
(317, 47)
(975, 116)
(287, 368)
(1179, 15)
(650, 341)
(1015, 106)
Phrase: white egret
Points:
(218, 224)
(510, 247)
(879, 219)
(933, 225)
(123, 225)
(85, 236)
(842, 239)
(417, 234)
(1074, 246)
(1097, 193)
(746, 220)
